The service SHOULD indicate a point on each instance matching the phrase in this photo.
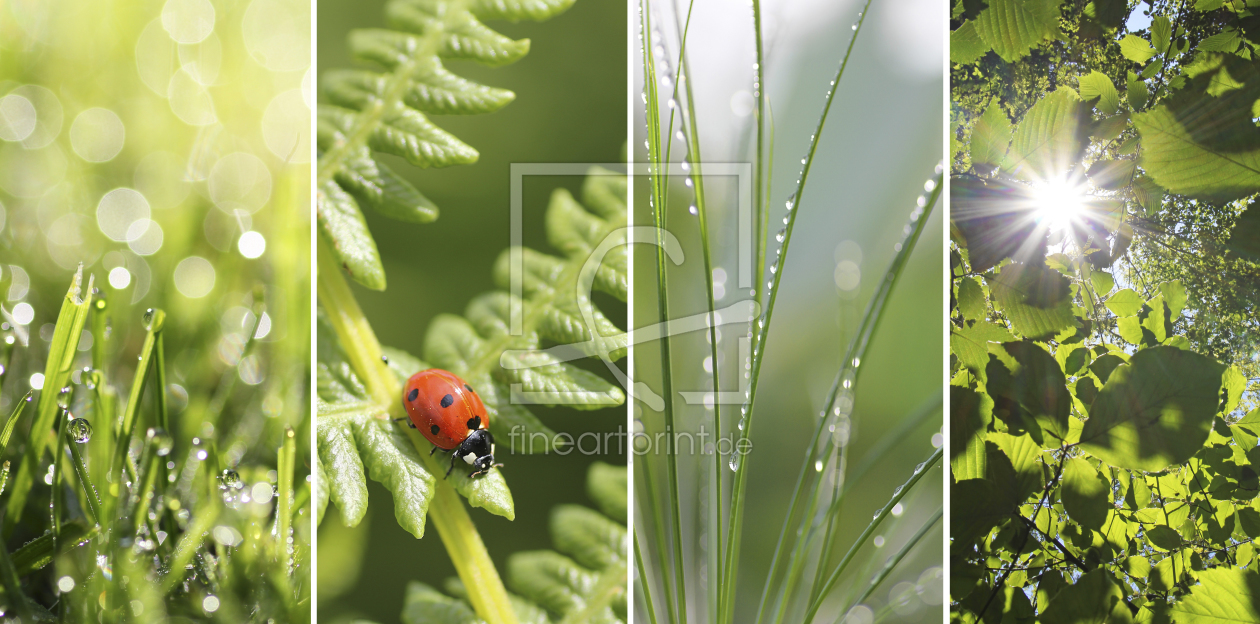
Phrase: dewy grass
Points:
(816, 535)
(171, 518)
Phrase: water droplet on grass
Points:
(80, 430)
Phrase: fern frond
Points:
(386, 110)
(357, 440)
(583, 580)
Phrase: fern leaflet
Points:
(387, 110)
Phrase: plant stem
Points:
(644, 583)
(61, 352)
(658, 202)
(924, 468)
(85, 481)
(285, 462)
(759, 343)
(463, 544)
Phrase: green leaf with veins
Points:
(1154, 411)
(385, 109)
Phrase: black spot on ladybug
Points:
(434, 429)
(447, 400)
(474, 422)
(415, 392)
(466, 387)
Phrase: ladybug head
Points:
(480, 444)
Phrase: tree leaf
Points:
(966, 45)
(1027, 375)
(1177, 161)
(970, 414)
(1094, 598)
(1013, 27)
(1161, 33)
(1102, 282)
(1136, 49)
(1222, 595)
(1125, 302)
(1086, 493)
(1035, 298)
(976, 508)
(971, 300)
(1154, 411)
(1048, 136)
(1097, 85)
(1233, 384)
(995, 221)
(990, 136)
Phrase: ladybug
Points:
(451, 416)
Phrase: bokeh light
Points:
(188, 21)
(119, 278)
(117, 210)
(23, 313)
(17, 117)
(194, 277)
(97, 135)
(251, 244)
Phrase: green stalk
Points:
(12, 421)
(85, 480)
(882, 447)
(759, 344)
(285, 462)
(661, 538)
(127, 428)
(13, 586)
(658, 182)
(692, 133)
(900, 493)
(644, 584)
(892, 562)
(61, 352)
(463, 544)
(189, 542)
(857, 351)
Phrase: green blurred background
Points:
(570, 107)
(883, 138)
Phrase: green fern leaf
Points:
(386, 110)
(357, 440)
(583, 580)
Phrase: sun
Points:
(1057, 203)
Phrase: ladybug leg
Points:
(454, 455)
(409, 423)
(435, 449)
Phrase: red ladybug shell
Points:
(443, 407)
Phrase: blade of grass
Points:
(128, 425)
(881, 448)
(455, 528)
(898, 494)
(660, 537)
(85, 480)
(285, 462)
(61, 352)
(692, 133)
(658, 203)
(850, 369)
(189, 542)
(645, 585)
(9, 424)
(894, 560)
(13, 587)
(763, 323)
